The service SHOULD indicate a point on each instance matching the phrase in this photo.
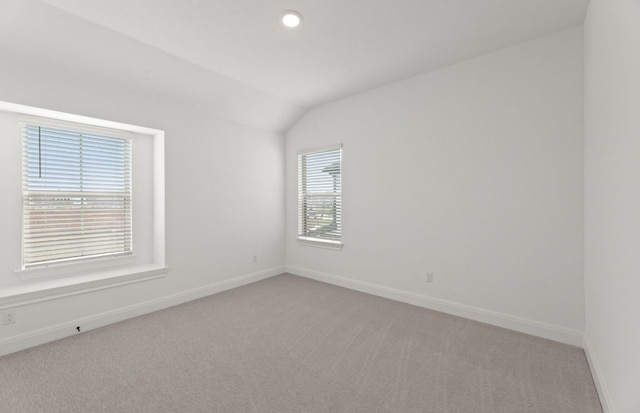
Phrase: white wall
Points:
(612, 200)
(473, 172)
(224, 197)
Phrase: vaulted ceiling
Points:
(236, 52)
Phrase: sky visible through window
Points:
(61, 160)
(322, 170)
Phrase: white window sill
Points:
(320, 243)
(90, 265)
(44, 290)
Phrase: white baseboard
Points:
(598, 378)
(523, 325)
(56, 332)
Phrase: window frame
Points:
(302, 238)
(122, 257)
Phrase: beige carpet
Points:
(288, 344)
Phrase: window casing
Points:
(76, 194)
(320, 196)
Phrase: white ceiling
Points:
(343, 46)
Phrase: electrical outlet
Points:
(429, 277)
(254, 259)
(9, 317)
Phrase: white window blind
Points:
(320, 195)
(76, 190)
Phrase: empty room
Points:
(320, 206)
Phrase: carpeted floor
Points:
(288, 344)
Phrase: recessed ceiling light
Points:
(291, 18)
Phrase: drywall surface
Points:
(473, 172)
(612, 199)
(224, 194)
(44, 36)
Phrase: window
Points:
(320, 196)
(78, 166)
(76, 194)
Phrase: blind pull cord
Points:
(39, 152)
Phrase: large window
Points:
(320, 195)
(76, 194)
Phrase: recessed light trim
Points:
(291, 18)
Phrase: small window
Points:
(76, 194)
(320, 195)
